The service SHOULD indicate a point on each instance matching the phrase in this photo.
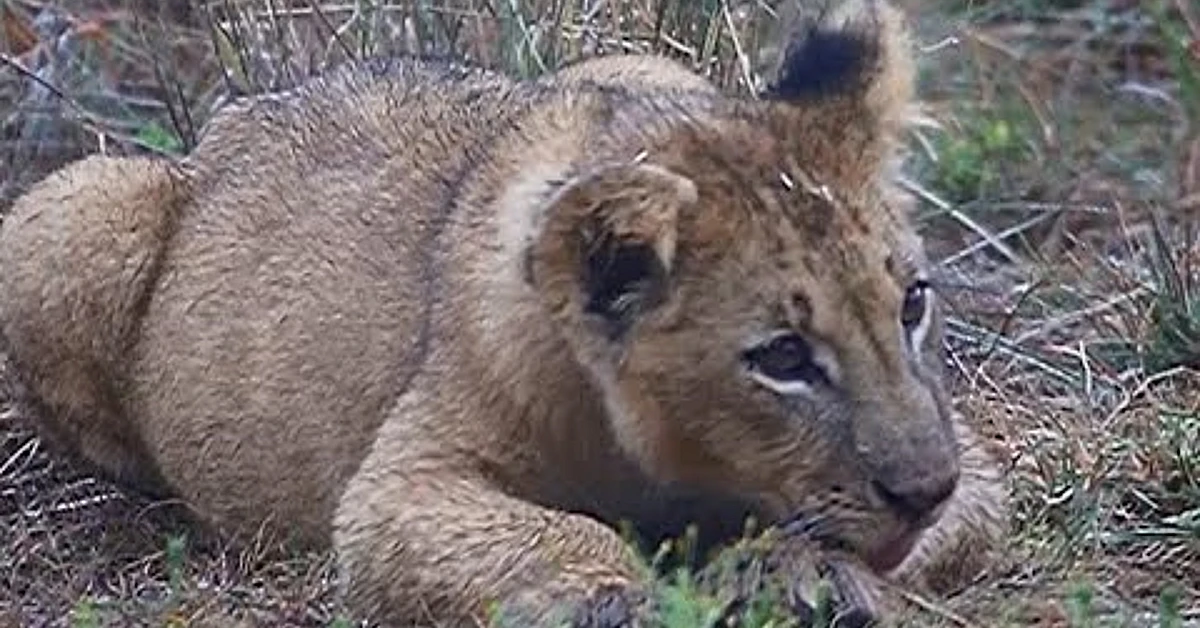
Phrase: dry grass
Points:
(1060, 175)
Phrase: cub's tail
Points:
(79, 254)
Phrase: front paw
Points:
(846, 595)
(819, 587)
(611, 606)
(562, 604)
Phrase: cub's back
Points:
(301, 279)
(649, 73)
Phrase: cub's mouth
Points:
(886, 552)
(889, 552)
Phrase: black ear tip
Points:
(822, 61)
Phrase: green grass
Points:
(85, 615)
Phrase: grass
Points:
(1058, 167)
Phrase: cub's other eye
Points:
(916, 298)
(784, 358)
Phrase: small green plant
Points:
(176, 561)
(682, 605)
(155, 136)
(176, 556)
(85, 614)
(1169, 615)
(1174, 338)
(1183, 66)
(1079, 605)
(968, 159)
(1181, 438)
(960, 171)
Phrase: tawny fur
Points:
(360, 311)
(632, 71)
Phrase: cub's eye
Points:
(784, 358)
(912, 312)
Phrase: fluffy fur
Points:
(459, 327)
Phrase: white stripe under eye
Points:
(796, 387)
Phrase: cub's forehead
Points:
(792, 220)
(807, 279)
(816, 209)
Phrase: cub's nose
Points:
(916, 500)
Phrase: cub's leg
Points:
(961, 544)
(79, 254)
(422, 539)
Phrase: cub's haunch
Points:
(458, 327)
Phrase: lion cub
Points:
(460, 327)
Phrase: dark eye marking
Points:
(786, 358)
(915, 306)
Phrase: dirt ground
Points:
(1058, 167)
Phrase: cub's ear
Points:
(858, 50)
(607, 243)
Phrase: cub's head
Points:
(747, 292)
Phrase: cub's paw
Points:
(844, 595)
(612, 606)
(568, 605)
(820, 587)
